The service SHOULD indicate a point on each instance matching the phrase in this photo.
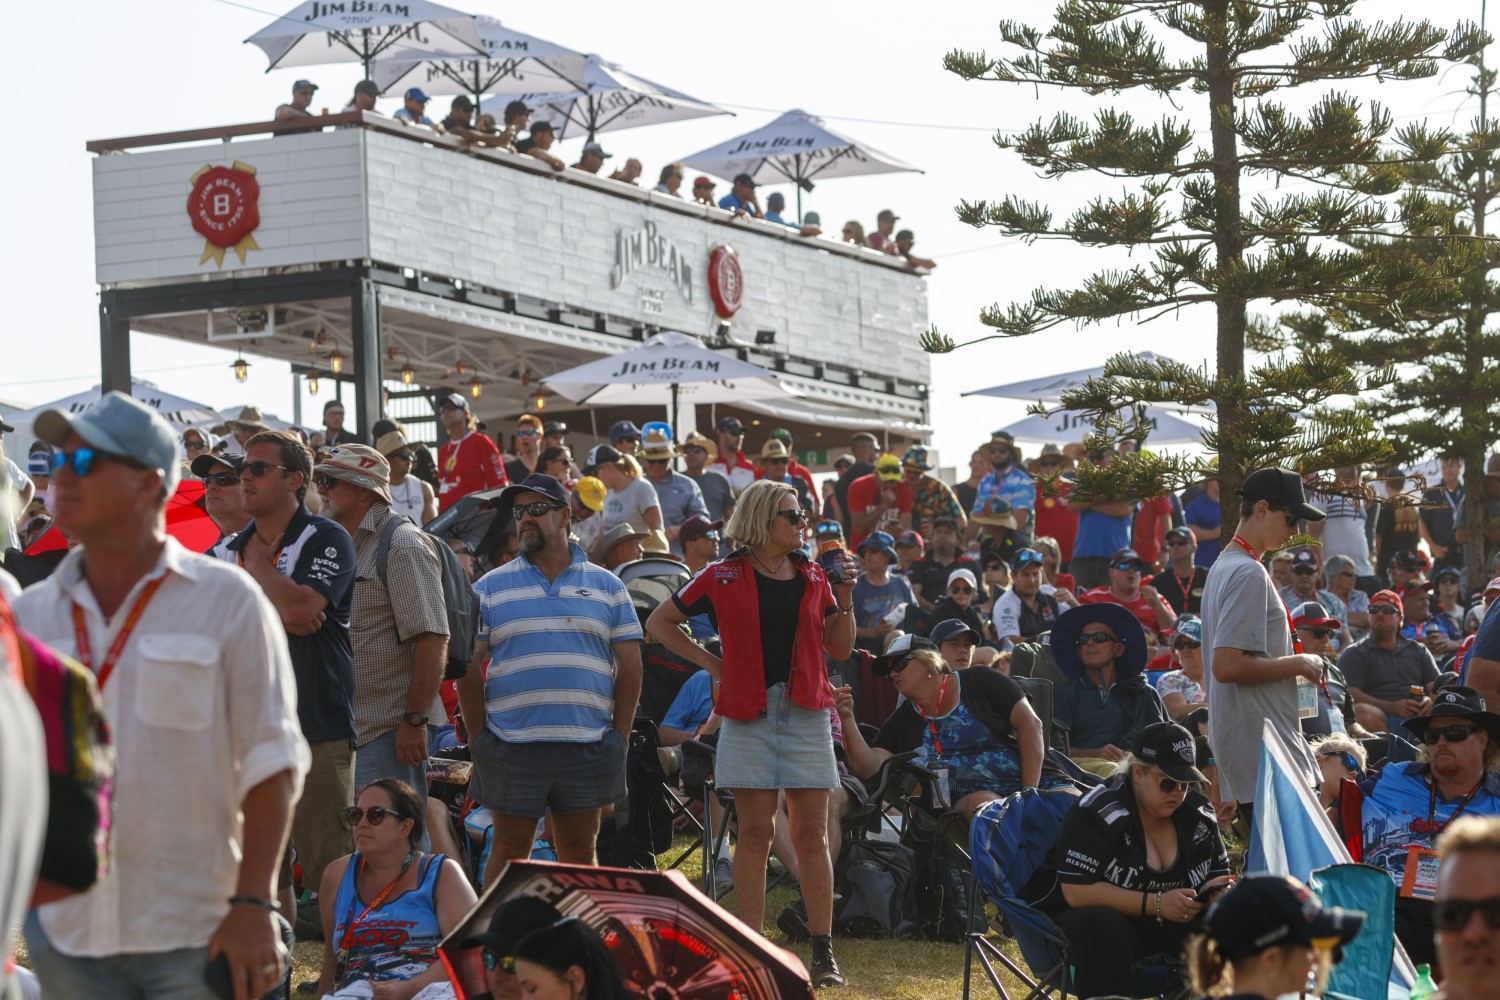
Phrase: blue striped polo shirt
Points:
(551, 672)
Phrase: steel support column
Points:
(114, 350)
(364, 323)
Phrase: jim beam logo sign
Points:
(224, 208)
(646, 249)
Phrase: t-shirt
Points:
(1101, 840)
(731, 202)
(1170, 586)
(1014, 619)
(1138, 606)
(1486, 643)
(1344, 532)
(1100, 535)
(966, 495)
(679, 499)
(1242, 610)
(1388, 674)
(1396, 528)
(629, 506)
(873, 601)
(1146, 534)
(1053, 519)
(718, 495)
(841, 487)
(1440, 518)
(693, 705)
(318, 553)
(407, 116)
(864, 494)
(1203, 511)
(468, 465)
(738, 470)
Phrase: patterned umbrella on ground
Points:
(670, 940)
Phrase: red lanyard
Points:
(348, 938)
(112, 656)
(1296, 642)
(1186, 586)
(937, 743)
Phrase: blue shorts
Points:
(792, 747)
(525, 779)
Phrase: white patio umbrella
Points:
(1070, 425)
(516, 63)
(664, 370)
(317, 32)
(1050, 388)
(796, 147)
(181, 413)
(607, 98)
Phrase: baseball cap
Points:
(1177, 533)
(906, 234)
(701, 181)
(912, 538)
(1128, 555)
(696, 527)
(962, 573)
(1282, 488)
(120, 424)
(541, 126)
(1409, 559)
(744, 179)
(391, 442)
(952, 628)
(887, 215)
(361, 465)
(537, 482)
(594, 147)
(203, 464)
(731, 425)
(1003, 435)
(367, 87)
(845, 459)
(453, 400)
(1171, 748)
(1304, 558)
(1448, 571)
(599, 454)
(888, 467)
(303, 85)
(591, 492)
(1388, 597)
(1190, 627)
(514, 919)
(782, 434)
(554, 427)
(1263, 911)
(462, 103)
(623, 429)
(900, 648)
(1311, 614)
(415, 94)
(916, 457)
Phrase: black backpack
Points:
(941, 879)
(459, 599)
(877, 882)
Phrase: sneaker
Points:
(825, 968)
(793, 921)
(308, 988)
(723, 874)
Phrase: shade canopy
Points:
(607, 98)
(1070, 425)
(648, 374)
(1049, 388)
(316, 32)
(515, 63)
(178, 411)
(796, 147)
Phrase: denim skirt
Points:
(792, 747)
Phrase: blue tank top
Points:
(397, 940)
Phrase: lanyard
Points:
(1296, 642)
(112, 656)
(452, 461)
(348, 939)
(1432, 805)
(937, 743)
(1186, 586)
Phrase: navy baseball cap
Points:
(952, 628)
(731, 425)
(537, 482)
(622, 429)
(513, 920)
(123, 425)
(415, 94)
(204, 464)
(1263, 911)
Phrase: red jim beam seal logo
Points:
(726, 281)
(225, 210)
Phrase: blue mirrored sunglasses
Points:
(80, 460)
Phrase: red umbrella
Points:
(671, 940)
(186, 521)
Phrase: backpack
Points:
(877, 882)
(459, 599)
(941, 880)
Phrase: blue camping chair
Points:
(1366, 968)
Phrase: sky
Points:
(123, 69)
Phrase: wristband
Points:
(1144, 897)
(255, 901)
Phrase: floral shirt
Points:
(1177, 682)
(931, 499)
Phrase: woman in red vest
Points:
(776, 616)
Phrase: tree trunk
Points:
(1473, 418)
(1229, 244)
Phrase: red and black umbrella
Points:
(671, 941)
(186, 521)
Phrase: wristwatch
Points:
(414, 719)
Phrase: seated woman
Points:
(1181, 689)
(567, 961)
(975, 726)
(1132, 859)
(387, 906)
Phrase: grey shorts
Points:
(792, 747)
(525, 779)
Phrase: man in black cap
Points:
(700, 539)
(365, 92)
(1247, 639)
(1181, 583)
(741, 198)
(513, 920)
(1410, 802)
(223, 495)
(904, 242)
(460, 115)
(538, 142)
(732, 463)
(299, 107)
(1126, 568)
(554, 434)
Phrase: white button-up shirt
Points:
(203, 707)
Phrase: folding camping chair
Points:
(1366, 968)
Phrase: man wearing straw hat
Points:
(678, 495)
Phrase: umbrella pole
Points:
(368, 55)
(672, 416)
(797, 159)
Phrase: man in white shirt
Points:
(210, 757)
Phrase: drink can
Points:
(1416, 692)
(831, 556)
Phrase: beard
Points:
(532, 541)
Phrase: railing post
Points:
(364, 323)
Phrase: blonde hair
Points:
(935, 663)
(1047, 544)
(529, 420)
(750, 524)
(1469, 833)
(628, 466)
(1338, 743)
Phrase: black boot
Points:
(825, 968)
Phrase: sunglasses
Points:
(795, 516)
(494, 960)
(1169, 786)
(220, 479)
(257, 469)
(404, 456)
(1304, 571)
(375, 814)
(1126, 567)
(1096, 638)
(1384, 609)
(194, 445)
(527, 432)
(80, 460)
(657, 461)
(1182, 644)
(1453, 914)
(1177, 542)
(960, 590)
(1347, 759)
(712, 536)
(1317, 633)
(539, 509)
(691, 450)
(324, 482)
(1453, 734)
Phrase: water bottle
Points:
(831, 556)
(1424, 987)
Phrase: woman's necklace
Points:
(769, 570)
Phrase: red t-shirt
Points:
(468, 465)
(1139, 607)
(1145, 536)
(864, 493)
(1051, 517)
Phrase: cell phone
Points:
(837, 680)
(1206, 893)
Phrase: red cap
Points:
(1389, 597)
(1415, 588)
(700, 181)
